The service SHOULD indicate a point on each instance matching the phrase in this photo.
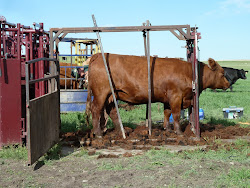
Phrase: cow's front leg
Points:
(191, 117)
(167, 113)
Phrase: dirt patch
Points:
(136, 138)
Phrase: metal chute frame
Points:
(19, 43)
(182, 32)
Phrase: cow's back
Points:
(130, 76)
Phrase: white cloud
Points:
(226, 7)
(237, 6)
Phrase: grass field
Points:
(226, 166)
(211, 102)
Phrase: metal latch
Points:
(193, 86)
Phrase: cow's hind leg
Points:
(167, 113)
(175, 105)
(97, 116)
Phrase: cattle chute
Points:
(20, 44)
(182, 32)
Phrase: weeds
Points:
(110, 166)
(234, 178)
(14, 152)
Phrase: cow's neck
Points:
(207, 77)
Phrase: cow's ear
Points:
(212, 64)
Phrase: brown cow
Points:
(75, 82)
(171, 84)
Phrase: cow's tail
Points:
(88, 106)
(89, 97)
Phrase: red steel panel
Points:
(10, 103)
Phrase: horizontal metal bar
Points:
(71, 78)
(73, 90)
(10, 24)
(117, 29)
(25, 27)
(74, 55)
(71, 66)
(122, 29)
(40, 59)
(43, 79)
(74, 39)
(73, 102)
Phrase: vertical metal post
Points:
(196, 93)
(31, 56)
(147, 53)
(41, 64)
(71, 84)
(65, 78)
(52, 67)
(145, 49)
(1, 49)
(85, 57)
(27, 107)
(110, 82)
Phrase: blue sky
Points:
(224, 24)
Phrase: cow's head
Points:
(220, 81)
(242, 74)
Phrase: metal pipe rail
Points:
(28, 81)
(40, 59)
(74, 55)
(182, 36)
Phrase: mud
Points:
(139, 138)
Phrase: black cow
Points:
(232, 75)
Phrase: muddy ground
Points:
(115, 162)
(159, 137)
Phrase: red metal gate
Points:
(18, 44)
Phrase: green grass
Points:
(158, 159)
(71, 122)
(231, 155)
(234, 178)
(21, 153)
(14, 152)
(236, 64)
